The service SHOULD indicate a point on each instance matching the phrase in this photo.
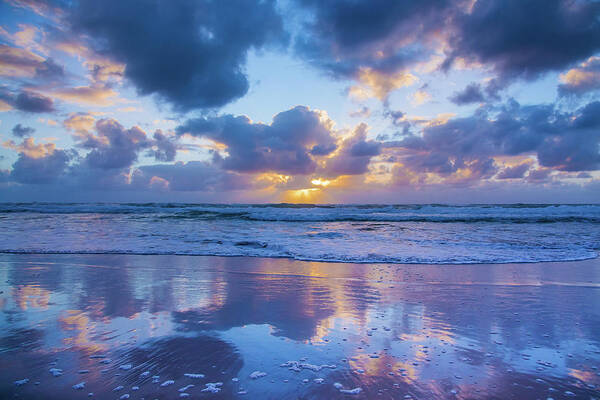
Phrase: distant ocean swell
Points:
(420, 234)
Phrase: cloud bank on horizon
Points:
(300, 101)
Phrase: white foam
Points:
(351, 391)
(298, 366)
(183, 389)
(194, 376)
(420, 234)
(167, 383)
(212, 387)
(56, 372)
(21, 382)
(145, 374)
(123, 397)
(257, 374)
(126, 367)
(341, 389)
(118, 388)
(79, 386)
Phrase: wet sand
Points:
(317, 330)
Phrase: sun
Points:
(320, 182)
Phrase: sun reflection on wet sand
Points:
(394, 331)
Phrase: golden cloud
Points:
(420, 97)
(379, 85)
(25, 38)
(581, 75)
(79, 122)
(30, 149)
(97, 95)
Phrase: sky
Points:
(300, 101)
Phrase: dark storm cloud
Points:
(33, 102)
(285, 146)
(354, 155)
(516, 172)
(472, 93)
(190, 176)
(164, 149)
(322, 150)
(189, 53)
(526, 38)
(518, 39)
(563, 141)
(344, 36)
(115, 147)
(40, 170)
(576, 146)
(27, 101)
(49, 70)
(82, 176)
(22, 131)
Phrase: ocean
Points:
(411, 234)
(413, 301)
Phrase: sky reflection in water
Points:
(424, 331)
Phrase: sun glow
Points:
(320, 182)
(302, 195)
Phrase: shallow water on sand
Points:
(113, 322)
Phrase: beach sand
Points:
(131, 325)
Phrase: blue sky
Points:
(300, 101)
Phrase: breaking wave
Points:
(421, 234)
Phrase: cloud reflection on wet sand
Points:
(424, 331)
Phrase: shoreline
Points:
(5, 252)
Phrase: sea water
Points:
(421, 234)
